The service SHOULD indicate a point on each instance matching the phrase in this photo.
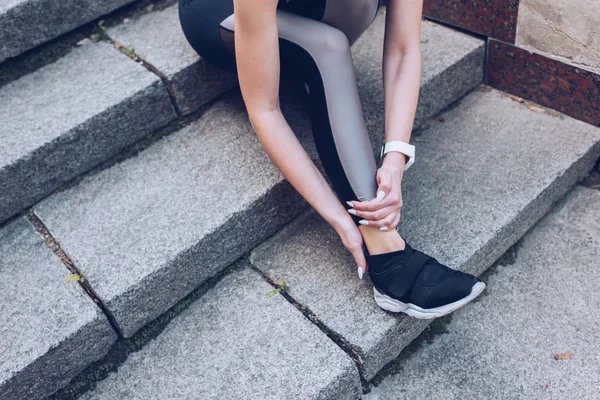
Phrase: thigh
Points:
(200, 22)
(352, 17)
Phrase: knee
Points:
(333, 41)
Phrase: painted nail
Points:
(350, 204)
(363, 222)
(360, 273)
(383, 228)
(352, 211)
(380, 195)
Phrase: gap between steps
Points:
(53, 244)
(342, 343)
(123, 347)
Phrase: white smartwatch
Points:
(401, 147)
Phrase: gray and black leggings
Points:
(314, 46)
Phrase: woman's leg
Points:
(319, 54)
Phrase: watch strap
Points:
(401, 147)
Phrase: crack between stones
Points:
(53, 245)
(342, 343)
(130, 52)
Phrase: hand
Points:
(353, 241)
(384, 210)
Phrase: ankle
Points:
(378, 242)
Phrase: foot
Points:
(412, 282)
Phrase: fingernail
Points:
(363, 222)
(352, 211)
(360, 273)
(383, 228)
(350, 204)
(380, 195)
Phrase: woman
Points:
(309, 40)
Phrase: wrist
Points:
(339, 220)
(395, 159)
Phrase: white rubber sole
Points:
(393, 305)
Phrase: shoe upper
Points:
(411, 276)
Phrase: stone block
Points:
(28, 23)
(69, 116)
(235, 342)
(50, 329)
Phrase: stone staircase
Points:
(200, 203)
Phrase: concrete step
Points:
(487, 170)
(69, 116)
(28, 23)
(157, 38)
(50, 329)
(148, 230)
(544, 302)
(236, 342)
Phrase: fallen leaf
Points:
(564, 356)
(534, 108)
(516, 98)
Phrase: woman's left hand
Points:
(384, 210)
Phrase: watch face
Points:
(381, 153)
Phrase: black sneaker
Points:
(412, 282)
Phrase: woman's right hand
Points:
(353, 241)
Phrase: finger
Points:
(379, 223)
(374, 205)
(361, 262)
(375, 215)
(384, 180)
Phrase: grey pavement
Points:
(69, 116)
(236, 342)
(482, 178)
(50, 330)
(543, 304)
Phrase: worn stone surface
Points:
(158, 39)
(452, 66)
(28, 23)
(174, 215)
(50, 329)
(235, 342)
(68, 116)
(545, 303)
(565, 29)
(481, 180)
